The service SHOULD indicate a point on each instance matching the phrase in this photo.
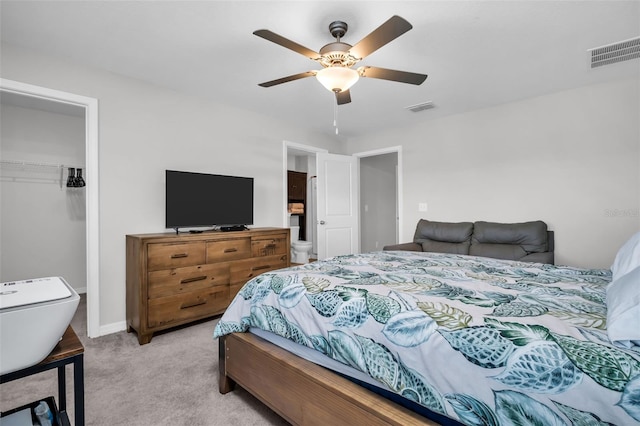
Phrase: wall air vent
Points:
(615, 52)
(420, 107)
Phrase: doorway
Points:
(380, 198)
(378, 201)
(302, 159)
(64, 100)
(384, 165)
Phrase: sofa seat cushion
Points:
(444, 237)
(511, 241)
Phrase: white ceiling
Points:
(477, 54)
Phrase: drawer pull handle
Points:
(257, 268)
(193, 279)
(193, 305)
(230, 250)
(179, 255)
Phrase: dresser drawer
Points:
(175, 255)
(269, 246)
(223, 250)
(188, 306)
(190, 278)
(243, 271)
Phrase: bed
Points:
(430, 338)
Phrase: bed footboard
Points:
(301, 392)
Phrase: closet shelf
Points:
(43, 170)
(31, 164)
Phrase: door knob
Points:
(322, 222)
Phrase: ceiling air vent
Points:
(420, 107)
(615, 52)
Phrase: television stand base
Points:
(233, 228)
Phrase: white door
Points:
(337, 209)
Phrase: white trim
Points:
(92, 162)
(286, 145)
(397, 149)
(114, 327)
(301, 147)
(388, 150)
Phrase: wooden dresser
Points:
(176, 279)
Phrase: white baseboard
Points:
(113, 328)
(80, 290)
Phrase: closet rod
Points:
(35, 164)
(24, 164)
(29, 163)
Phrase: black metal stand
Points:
(77, 359)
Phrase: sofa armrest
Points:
(404, 246)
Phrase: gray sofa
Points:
(526, 242)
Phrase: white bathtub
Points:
(33, 317)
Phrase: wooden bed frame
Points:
(300, 391)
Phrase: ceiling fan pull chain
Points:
(335, 116)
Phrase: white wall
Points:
(567, 158)
(571, 159)
(145, 129)
(43, 225)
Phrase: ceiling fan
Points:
(338, 58)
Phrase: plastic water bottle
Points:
(43, 413)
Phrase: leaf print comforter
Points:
(482, 341)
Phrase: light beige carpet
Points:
(171, 381)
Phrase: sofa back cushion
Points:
(444, 237)
(511, 241)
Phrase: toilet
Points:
(299, 249)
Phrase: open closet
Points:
(43, 220)
(27, 145)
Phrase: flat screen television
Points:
(201, 199)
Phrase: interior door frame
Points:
(90, 106)
(286, 146)
(399, 198)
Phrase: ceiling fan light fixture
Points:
(338, 59)
(337, 79)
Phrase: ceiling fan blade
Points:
(393, 75)
(285, 42)
(385, 33)
(288, 79)
(343, 97)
